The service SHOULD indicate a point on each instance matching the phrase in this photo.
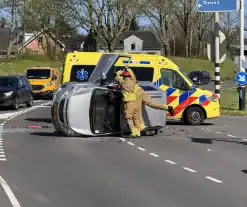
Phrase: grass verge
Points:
(230, 104)
(19, 66)
(227, 69)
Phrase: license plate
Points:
(54, 108)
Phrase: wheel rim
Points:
(195, 116)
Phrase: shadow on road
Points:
(46, 120)
(210, 140)
(181, 123)
(45, 134)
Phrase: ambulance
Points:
(192, 105)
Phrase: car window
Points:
(38, 73)
(25, 81)
(172, 79)
(20, 82)
(8, 82)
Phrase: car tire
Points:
(194, 116)
(30, 102)
(16, 105)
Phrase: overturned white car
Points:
(94, 108)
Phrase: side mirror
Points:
(54, 78)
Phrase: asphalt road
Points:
(184, 166)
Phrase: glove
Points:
(171, 110)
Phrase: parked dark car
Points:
(200, 77)
(15, 90)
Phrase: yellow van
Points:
(44, 80)
(191, 104)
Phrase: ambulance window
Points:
(141, 73)
(172, 79)
(81, 73)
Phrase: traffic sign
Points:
(218, 5)
(241, 78)
(211, 47)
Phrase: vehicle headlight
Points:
(8, 93)
(48, 84)
(213, 98)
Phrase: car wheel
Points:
(16, 105)
(194, 116)
(30, 102)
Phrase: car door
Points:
(28, 87)
(177, 89)
(21, 90)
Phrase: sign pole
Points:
(242, 57)
(217, 54)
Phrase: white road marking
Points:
(131, 143)
(2, 159)
(208, 130)
(140, 148)
(122, 139)
(9, 193)
(214, 179)
(219, 133)
(245, 139)
(2, 155)
(230, 135)
(1, 152)
(202, 128)
(170, 162)
(189, 169)
(154, 155)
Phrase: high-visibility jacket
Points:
(128, 87)
(133, 77)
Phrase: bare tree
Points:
(202, 25)
(106, 19)
(183, 10)
(230, 26)
(159, 14)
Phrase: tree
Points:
(230, 27)
(202, 23)
(134, 26)
(159, 13)
(183, 10)
(106, 19)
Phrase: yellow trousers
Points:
(143, 97)
(132, 118)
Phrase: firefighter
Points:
(143, 97)
(129, 99)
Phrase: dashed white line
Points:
(2, 155)
(189, 169)
(230, 135)
(131, 143)
(170, 162)
(202, 128)
(122, 139)
(219, 133)
(154, 155)
(245, 139)
(208, 130)
(1, 152)
(214, 179)
(2, 159)
(9, 193)
(140, 148)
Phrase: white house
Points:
(136, 42)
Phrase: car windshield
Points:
(38, 73)
(187, 77)
(8, 82)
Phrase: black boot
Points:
(171, 110)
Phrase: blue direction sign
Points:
(218, 5)
(241, 78)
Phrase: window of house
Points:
(40, 40)
(173, 79)
(133, 46)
